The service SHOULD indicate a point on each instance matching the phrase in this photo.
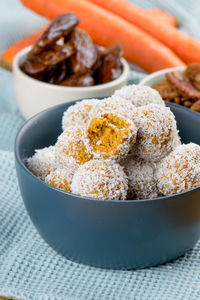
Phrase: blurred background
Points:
(17, 22)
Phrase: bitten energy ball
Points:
(180, 170)
(142, 184)
(42, 162)
(111, 136)
(71, 149)
(140, 95)
(61, 178)
(115, 105)
(78, 114)
(157, 132)
(100, 179)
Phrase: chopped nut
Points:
(187, 103)
(196, 106)
(183, 85)
(166, 90)
(193, 73)
(197, 78)
(177, 100)
(182, 88)
(178, 75)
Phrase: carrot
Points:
(186, 47)
(106, 29)
(8, 55)
(163, 17)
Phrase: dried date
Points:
(56, 54)
(33, 67)
(76, 80)
(86, 53)
(59, 27)
(57, 73)
(111, 65)
(67, 56)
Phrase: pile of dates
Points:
(182, 88)
(66, 55)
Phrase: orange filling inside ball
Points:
(107, 134)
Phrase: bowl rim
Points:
(160, 73)
(23, 165)
(110, 84)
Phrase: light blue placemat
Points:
(29, 268)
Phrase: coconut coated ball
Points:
(70, 148)
(142, 184)
(42, 162)
(157, 132)
(114, 105)
(180, 170)
(140, 95)
(79, 113)
(103, 179)
(61, 178)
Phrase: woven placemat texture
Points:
(29, 268)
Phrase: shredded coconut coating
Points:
(42, 162)
(61, 178)
(111, 136)
(79, 113)
(180, 170)
(157, 132)
(142, 184)
(114, 105)
(123, 147)
(70, 148)
(140, 95)
(100, 179)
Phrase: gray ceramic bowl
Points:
(107, 233)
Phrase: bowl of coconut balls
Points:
(113, 182)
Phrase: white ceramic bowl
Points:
(34, 96)
(159, 75)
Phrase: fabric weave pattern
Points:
(29, 268)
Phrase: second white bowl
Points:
(158, 76)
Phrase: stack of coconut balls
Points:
(123, 147)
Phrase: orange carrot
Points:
(106, 29)
(8, 55)
(163, 16)
(186, 47)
